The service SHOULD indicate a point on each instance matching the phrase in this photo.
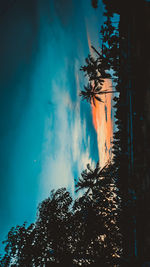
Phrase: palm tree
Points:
(93, 92)
(103, 207)
(90, 177)
(92, 69)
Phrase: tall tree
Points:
(20, 249)
(47, 241)
(70, 234)
(54, 223)
(92, 92)
(101, 188)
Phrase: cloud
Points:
(66, 151)
(80, 142)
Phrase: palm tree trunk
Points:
(95, 50)
(106, 92)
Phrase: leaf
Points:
(99, 99)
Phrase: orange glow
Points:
(103, 125)
(104, 129)
(89, 43)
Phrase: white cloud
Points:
(79, 135)
(64, 147)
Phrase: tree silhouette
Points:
(68, 233)
(104, 208)
(98, 69)
(90, 177)
(92, 93)
(113, 6)
(110, 44)
(54, 223)
(92, 69)
(47, 241)
(19, 250)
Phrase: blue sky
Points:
(46, 136)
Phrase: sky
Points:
(103, 120)
(47, 134)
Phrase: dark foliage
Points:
(98, 67)
(67, 233)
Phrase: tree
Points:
(20, 250)
(92, 69)
(54, 223)
(102, 191)
(89, 177)
(113, 6)
(107, 30)
(92, 93)
(97, 70)
(68, 233)
(110, 44)
(45, 242)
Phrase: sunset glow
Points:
(102, 120)
(103, 124)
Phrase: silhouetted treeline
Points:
(116, 59)
(131, 141)
(71, 232)
(100, 65)
(111, 6)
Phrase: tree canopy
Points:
(99, 66)
(71, 232)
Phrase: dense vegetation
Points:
(69, 233)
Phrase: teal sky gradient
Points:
(46, 136)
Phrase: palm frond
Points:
(99, 99)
